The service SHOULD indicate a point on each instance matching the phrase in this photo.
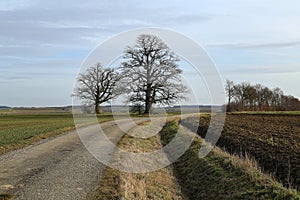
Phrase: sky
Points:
(43, 43)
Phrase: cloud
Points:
(256, 46)
(254, 70)
(42, 28)
(43, 39)
(22, 75)
(71, 21)
(190, 18)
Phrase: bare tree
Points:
(97, 85)
(244, 96)
(229, 86)
(264, 96)
(152, 73)
(251, 96)
(290, 102)
(277, 94)
(240, 93)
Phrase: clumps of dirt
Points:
(220, 175)
(272, 140)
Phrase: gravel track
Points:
(57, 168)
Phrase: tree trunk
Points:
(148, 99)
(147, 107)
(97, 108)
(229, 101)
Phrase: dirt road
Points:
(59, 168)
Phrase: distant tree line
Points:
(247, 97)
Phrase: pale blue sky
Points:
(42, 43)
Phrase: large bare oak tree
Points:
(97, 85)
(151, 72)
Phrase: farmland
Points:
(217, 176)
(255, 143)
(272, 139)
(23, 127)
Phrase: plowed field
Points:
(272, 140)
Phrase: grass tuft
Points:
(6, 197)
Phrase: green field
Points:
(19, 130)
(24, 126)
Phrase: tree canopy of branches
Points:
(97, 85)
(244, 96)
(151, 73)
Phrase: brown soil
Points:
(272, 140)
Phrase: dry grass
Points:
(160, 184)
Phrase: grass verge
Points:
(160, 184)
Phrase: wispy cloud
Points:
(256, 46)
(252, 70)
(23, 76)
(191, 18)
